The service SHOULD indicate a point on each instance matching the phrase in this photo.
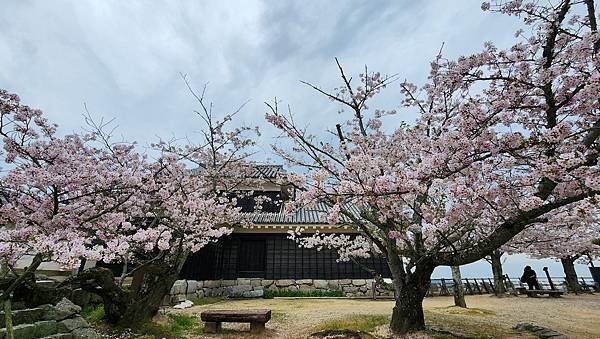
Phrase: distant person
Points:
(530, 278)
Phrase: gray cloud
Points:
(123, 58)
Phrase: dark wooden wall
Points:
(272, 256)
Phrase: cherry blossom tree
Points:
(186, 209)
(504, 139)
(87, 197)
(60, 193)
(495, 260)
(567, 236)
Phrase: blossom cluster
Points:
(70, 197)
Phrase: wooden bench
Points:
(256, 318)
(551, 293)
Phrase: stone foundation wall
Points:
(60, 321)
(255, 287)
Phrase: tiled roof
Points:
(300, 216)
(260, 171)
(268, 171)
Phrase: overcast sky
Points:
(123, 59)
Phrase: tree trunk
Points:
(411, 288)
(499, 288)
(459, 290)
(101, 281)
(151, 283)
(151, 286)
(570, 274)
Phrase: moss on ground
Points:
(469, 311)
(93, 313)
(207, 301)
(358, 322)
(447, 322)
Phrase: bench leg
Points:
(212, 327)
(257, 327)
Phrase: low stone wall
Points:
(255, 287)
(60, 321)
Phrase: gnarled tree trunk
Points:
(459, 289)
(101, 281)
(568, 264)
(149, 288)
(496, 260)
(410, 288)
(151, 284)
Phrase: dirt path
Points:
(575, 316)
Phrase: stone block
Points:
(45, 328)
(237, 291)
(284, 282)
(258, 288)
(226, 283)
(212, 327)
(333, 285)
(180, 298)
(25, 316)
(75, 323)
(242, 281)
(200, 293)
(178, 287)
(253, 294)
(212, 284)
(266, 282)
(344, 281)
(255, 282)
(351, 289)
(22, 331)
(320, 284)
(62, 310)
(85, 333)
(214, 292)
(193, 285)
(359, 282)
(304, 282)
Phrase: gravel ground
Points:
(575, 316)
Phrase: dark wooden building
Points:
(264, 250)
(273, 256)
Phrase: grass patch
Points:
(268, 294)
(93, 313)
(206, 301)
(469, 311)
(171, 326)
(358, 322)
(179, 323)
(445, 324)
(154, 330)
(278, 316)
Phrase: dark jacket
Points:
(529, 276)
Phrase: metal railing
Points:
(473, 286)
